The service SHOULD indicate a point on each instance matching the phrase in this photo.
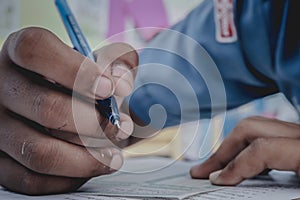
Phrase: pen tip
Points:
(117, 123)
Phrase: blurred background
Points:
(102, 19)
(97, 18)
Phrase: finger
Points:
(57, 111)
(18, 178)
(121, 60)
(47, 155)
(49, 108)
(124, 132)
(243, 134)
(263, 153)
(123, 78)
(86, 141)
(81, 140)
(40, 51)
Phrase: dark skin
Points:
(44, 149)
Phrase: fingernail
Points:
(103, 87)
(116, 161)
(214, 177)
(119, 69)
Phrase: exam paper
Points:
(139, 178)
(276, 186)
(5, 195)
(162, 178)
(150, 178)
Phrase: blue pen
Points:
(107, 107)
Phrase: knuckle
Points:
(257, 146)
(41, 157)
(26, 44)
(118, 50)
(52, 110)
(231, 166)
(245, 125)
(130, 55)
(241, 126)
(37, 103)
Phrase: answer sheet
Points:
(151, 178)
(275, 186)
(162, 178)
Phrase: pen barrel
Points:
(114, 110)
(109, 109)
(73, 29)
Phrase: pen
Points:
(107, 107)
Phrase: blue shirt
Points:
(188, 73)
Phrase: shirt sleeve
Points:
(186, 74)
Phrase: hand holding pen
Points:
(41, 142)
(115, 60)
(107, 107)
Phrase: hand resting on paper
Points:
(255, 144)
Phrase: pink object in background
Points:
(144, 13)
